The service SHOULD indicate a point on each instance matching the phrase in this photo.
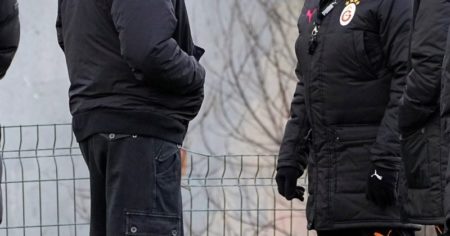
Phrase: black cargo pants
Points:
(135, 185)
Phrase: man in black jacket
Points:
(9, 41)
(136, 83)
(353, 60)
(445, 115)
(424, 156)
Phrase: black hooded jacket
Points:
(9, 33)
(344, 115)
(445, 119)
(9, 41)
(424, 156)
(132, 65)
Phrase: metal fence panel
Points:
(46, 189)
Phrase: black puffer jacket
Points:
(348, 96)
(9, 41)
(445, 119)
(135, 70)
(9, 33)
(424, 155)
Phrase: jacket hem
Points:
(427, 221)
(370, 224)
(143, 123)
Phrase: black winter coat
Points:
(9, 41)
(132, 65)
(9, 33)
(445, 119)
(345, 108)
(424, 156)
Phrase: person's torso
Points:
(347, 90)
(100, 76)
(346, 80)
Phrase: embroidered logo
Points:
(356, 2)
(376, 175)
(348, 13)
(310, 14)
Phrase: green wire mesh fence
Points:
(46, 189)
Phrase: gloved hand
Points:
(382, 186)
(287, 183)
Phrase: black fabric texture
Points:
(135, 185)
(137, 62)
(344, 113)
(424, 155)
(9, 33)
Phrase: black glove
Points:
(382, 186)
(287, 183)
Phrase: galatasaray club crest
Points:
(349, 12)
(356, 2)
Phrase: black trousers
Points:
(135, 185)
(367, 232)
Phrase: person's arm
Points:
(421, 97)
(445, 95)
(9, 33)
(293, 156)
(145, 31)
(445, 118)
(59, 26)
(294, 150)
(395, 21)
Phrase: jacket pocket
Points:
(148, 224)
(362, 41)
(416, 149)
(352, 157)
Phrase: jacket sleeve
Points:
(395, 20)
(145, 31)
(422, 92)
(9, 33)
(59, 26)
(445, 95)
(294, 149)
(445, 115)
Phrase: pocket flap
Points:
(150, 224)
(356, 133)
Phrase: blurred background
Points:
(227, 189)
(250, 63)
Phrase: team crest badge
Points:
(349, 12)
(356, 2)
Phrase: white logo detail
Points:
(379, 177)
(347, 14)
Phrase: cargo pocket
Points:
(148, 224)
(352, 158)
(415, 149)
(168, 180)
(167, 159)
